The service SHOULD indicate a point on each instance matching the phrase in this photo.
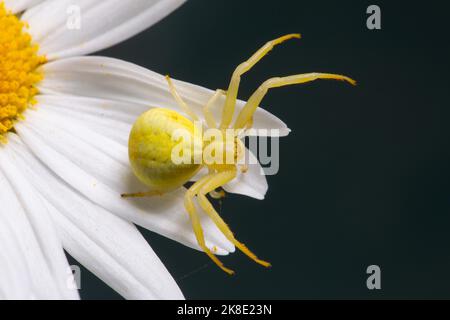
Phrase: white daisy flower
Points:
(65, 121)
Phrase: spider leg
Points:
(212, 183)
(195, 220)
(244, 168)
(180, 100)
(142, 194)
(217, 194)
(230, 102)
(246, 114)
(210, 120)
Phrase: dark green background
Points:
(364, 176)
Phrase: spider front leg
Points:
(213, 182)
(230, 102)
(195, 220)
(246, 114)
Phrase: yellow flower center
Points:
(19, 60)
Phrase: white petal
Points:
(113, 79)
(15, 280)
(106, 117)
(17, 6)
(98, 168)
(54, 23)
(253, 183)
(39, 246)
(42, 225)
(110, 247)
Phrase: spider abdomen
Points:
(151, 146)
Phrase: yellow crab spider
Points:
(151, 145)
